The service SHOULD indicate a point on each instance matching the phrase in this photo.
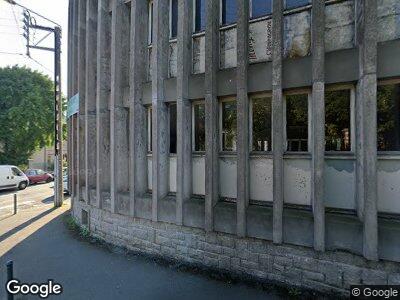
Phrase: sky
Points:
(13, 44)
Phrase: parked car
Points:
(37, 175)
(12, 177)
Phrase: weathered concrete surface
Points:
(297, 35)
(388, 13)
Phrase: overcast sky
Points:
(12, 43)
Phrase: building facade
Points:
(260, 137)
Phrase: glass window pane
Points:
(297, 122)
(261, 8)
(174, 18)
(172, 128)
(262, 124)
(149, 130)
(389, 117)
(229, 12)
(199, 128)
(229, 126)
(200, 19)
(150, 21)
(296, 3)
(337, 121)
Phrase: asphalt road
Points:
(42, 248)
(33, 196)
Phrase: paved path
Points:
(42, 248)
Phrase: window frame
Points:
(309, 121)
(251, 102)
(339, 87)
(395, 154)
(194, 103)
(150, 12)
(220, 126)
(194, 31)
(171, 38)
(297, 7)
(149, 114)
(229, 25)
(251, 18)
(170, 104)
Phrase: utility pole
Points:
(30, 23)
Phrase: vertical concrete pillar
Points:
(69, 92)
(103, 87)
(242, 117)
(74, 80)
(138, 74)
(211, 107)
(90, 96)
(119, 114)
(318, 121)
(81, 90)
(277, 120)
(160, 110)
(366, 124)
(184, 118)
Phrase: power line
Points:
(11, 53)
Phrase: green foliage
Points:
(26, 113)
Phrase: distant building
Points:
(259, 137)
(44, 158)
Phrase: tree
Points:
(26, 113)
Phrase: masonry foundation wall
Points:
(330, 271)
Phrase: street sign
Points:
(73, 106)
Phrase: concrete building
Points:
(44, 158)
(256, 137)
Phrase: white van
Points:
(12, 177)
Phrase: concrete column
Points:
(212, 111)
(242, 117)
(184, 107)
(90, 96)
(318, 121)
(119, 113)
(69, 92)
(138, 74)
(160, 110)
(366, 124)
(277, 120)
(103, 88)
(81, 90)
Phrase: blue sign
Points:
(73, 106)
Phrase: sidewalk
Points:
(42, 248)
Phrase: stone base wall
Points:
(328, 272)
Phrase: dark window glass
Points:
(261, 8)
(297, 122)
(199, 128)
(337, 121)
(389, 117)
(262, 124)
(200, 17)
(149, 130)
(296, 3)
(16, 172)
(229, 12)
(229, 126)
(150, 25)
(172, 128)
(174, 18)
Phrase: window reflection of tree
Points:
(337, 120)
(229, 126)
(388, 107)
(297, 122)
(262, 124)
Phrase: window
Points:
(150, 23)
(173, 18)
(199, 18)
(297, 122)
(296, 3)
(388, 98)
(229, 12)
(149, 129)
(199, 132)
(260, 8)
(337, 120)
(16, 171)
(228, 132)
(261, 123)
(172, 128)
